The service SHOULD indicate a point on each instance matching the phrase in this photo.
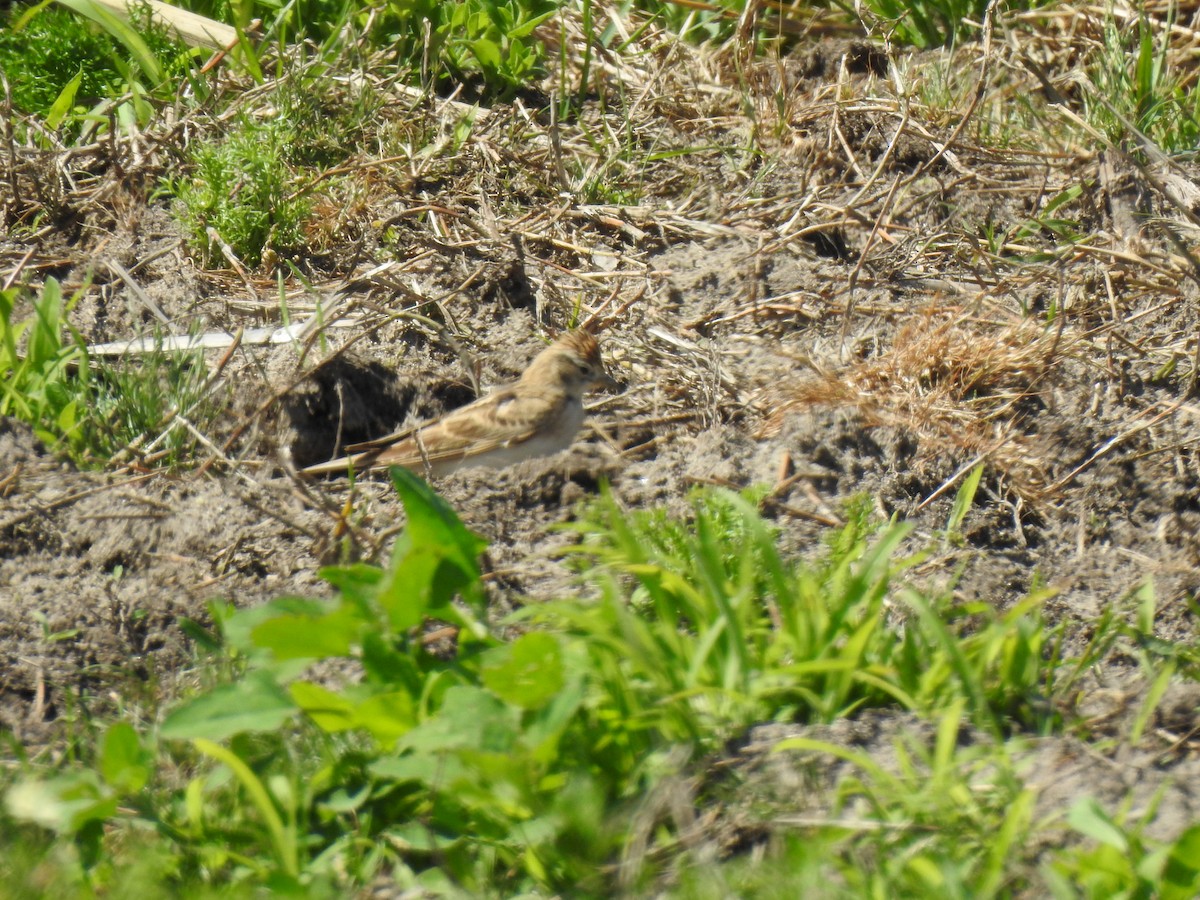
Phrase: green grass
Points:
(242, 192)
(75, 70)
(88, 410)
(45, 378)
(514, 763)
(1134, 84)
(51, 48)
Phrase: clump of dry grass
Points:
(960, 384)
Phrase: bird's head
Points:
(573, 361)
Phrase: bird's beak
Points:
(606, 381)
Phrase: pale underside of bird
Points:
(537, 415)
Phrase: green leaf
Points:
(385, 664)
(329, 710)
(307, 636)
(527, 673)
(963, 499)
(45, 341)
(238, 629)
(427, 768)
(359, 582)
(65, 101)
(256, 703)
(470, 718)
(1089, 819)
(9, 334)
(1181, 873)
(488, 54)
(526, 28)
(282, 837)
(387, 716)
(65, 803)
(123, 761)
(416, 584)
(123, 32)
(432, 522)
(433, 560)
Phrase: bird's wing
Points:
(505, 418)
(386, 441)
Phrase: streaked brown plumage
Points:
(537, 415)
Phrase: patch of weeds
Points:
(147, 404)
(44, 376)
(1022, 239)
(510, 761)
(711, 22)
(1119, 861)
(68, 68)
(790, 865)
(329, 121)
(93, 410)
(598, 190)
(487, 46)
(923, 23)
(945, 820)
(708, 614)
(242, 193)
(1133, 83)
(54, 48)
(1002, 119)
(314, 19)
(711, 615)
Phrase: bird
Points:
(537, 415)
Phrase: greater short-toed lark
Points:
(537, 415)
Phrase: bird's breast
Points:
(559, 434)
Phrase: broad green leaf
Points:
(419, 582)
(45, 341)
(1086, 817)
(433, 523)
(526, 28)
(385, 664)
(239, 628)
(433, 560)
(527, 673)
(1181, 874)
(433, 769)
(419, 837)
(304, 636)
(9, 334)
(256, 703)
(358, 582)
(64, 803)
(329, 710)
(470, 718)
(123, 761)
(387, 716)
(488, 54)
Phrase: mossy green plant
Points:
(242, 193)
